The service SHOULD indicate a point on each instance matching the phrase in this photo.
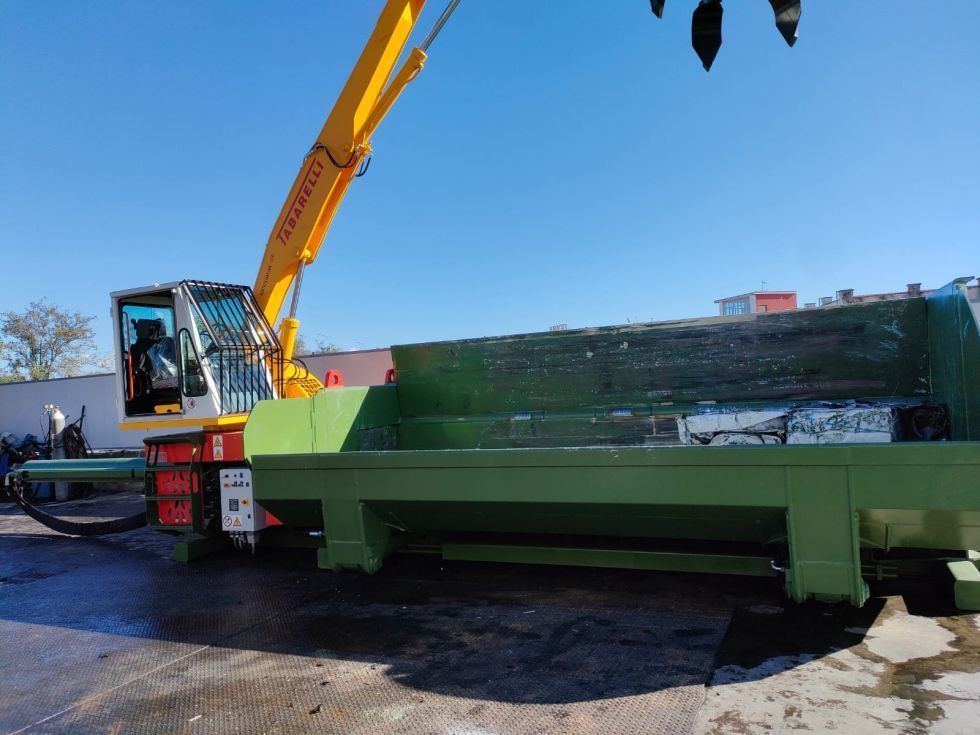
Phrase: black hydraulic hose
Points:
(76, 446)
(72, 528)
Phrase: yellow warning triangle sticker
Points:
(237, 522)
(217, 440)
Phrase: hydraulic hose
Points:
(73, 528)
(76, 447)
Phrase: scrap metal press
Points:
(825, 448)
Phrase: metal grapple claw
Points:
(787, 18)
(706, 24)
(706, 31)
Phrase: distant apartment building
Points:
(847, 296)
(912, 290)
(756, 302)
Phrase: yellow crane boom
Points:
(199, 353)
(344, 145)
(334, 160)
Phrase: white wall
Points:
(21, 403)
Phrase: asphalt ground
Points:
(108, 635)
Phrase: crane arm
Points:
(344, 142)
(333, 161)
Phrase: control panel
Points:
(239, 512)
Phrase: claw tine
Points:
(706, 31)
(788, 14)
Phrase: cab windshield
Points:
(236, 344)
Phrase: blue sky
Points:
(572, 165)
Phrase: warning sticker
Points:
(218, 446)
(226, 521)
(237, 523)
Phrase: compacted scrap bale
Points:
(824, 447)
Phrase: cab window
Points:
(149, 359)
(191, 374)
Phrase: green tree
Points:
(322, 347)
(45, 341)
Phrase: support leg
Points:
(824, 545)
(193, 545)
(356, 538)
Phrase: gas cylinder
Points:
(56, 439)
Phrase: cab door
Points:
(148, 344)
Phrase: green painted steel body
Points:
(954, 349)
(552, 448)
(823, 502)
(558, 449)
(966, 581)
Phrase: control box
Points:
(239, 511)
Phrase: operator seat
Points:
(148, 333)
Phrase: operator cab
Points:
(191, 352)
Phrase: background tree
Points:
(45, 341)
(322, 347)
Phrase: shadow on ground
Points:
(81, 617)
(535, 634)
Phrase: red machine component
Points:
(223, 446)
(183, 477)
(389, 376)
(333, 379)
(271, 520)
(180, 483)
(176, 474)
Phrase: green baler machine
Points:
(823, 447)
(562, 448)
